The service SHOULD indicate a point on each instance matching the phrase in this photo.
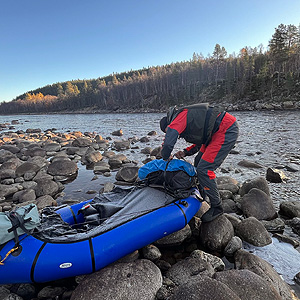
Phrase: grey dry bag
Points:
(17, 222)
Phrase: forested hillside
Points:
(254, 74)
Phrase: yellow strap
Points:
(6, 256)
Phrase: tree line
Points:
(253, 73)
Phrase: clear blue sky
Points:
(48, 41)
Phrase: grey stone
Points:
(27, 167)
(233, 245)
(249, 164)
(252, 231)
(45, 201)
(216, 234)
(151, 252)
(276, 225)
(258, 182)
(248, 285)
(258, 204)
(290, 209)
(127, 174)
(204, 288)
(213, 260)
(82, 142)
(62, 168)
(185, 270)
(251, 262)
(137, 280)
(46, 187)
(175, 238)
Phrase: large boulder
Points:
(251, 262)
(204, 288)
(62, 168)
(127, 174)
(290, 209)
(258, 182)
(259, 205)
(82, 142)
(216, 234)
(248, 285)
(175, 238)
(189, 268)
(27, 167)
(137, 280)
(252, 231)
(46, 187)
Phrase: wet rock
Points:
(33, 130)
(7, 173)
(117, 132)
(27, 167)
(137, 280)
(108, 154)
(213, 260)
(8, 190)
(252, 231)
(35, 152)
(292, 167)
(144, 139)
(25, 195)
(146, 150)
(245, 260)
(248, 285)
(290, 209)
(156, 152)
(258, 204)
(50, 292)
(276, 225)
(121, 145)
(127, 174)
(5, 155)
(46, 187)
(114, 163)
(12, 164)
(215, 235)
(230, 183)
(275, 176)
(286, 239)
(26, 291)
(249, 164)
(93, 157)
(295, 225)
(152, 133)
(101, 167)
(233, 246)
(229, 206)
(191, 267)
(11, 148)
(45, 201)
(225, 194)
(82, 142)
(62, 168)
(52, 147)
(151, 252)
(204, 288)
(175, 238)
(258, 182)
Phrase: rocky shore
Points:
(201, 261)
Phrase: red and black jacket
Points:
(195, 123)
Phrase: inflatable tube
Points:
(39, 261)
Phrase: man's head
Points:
(163, 124)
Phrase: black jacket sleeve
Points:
(169, 143)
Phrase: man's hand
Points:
(180, 154)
